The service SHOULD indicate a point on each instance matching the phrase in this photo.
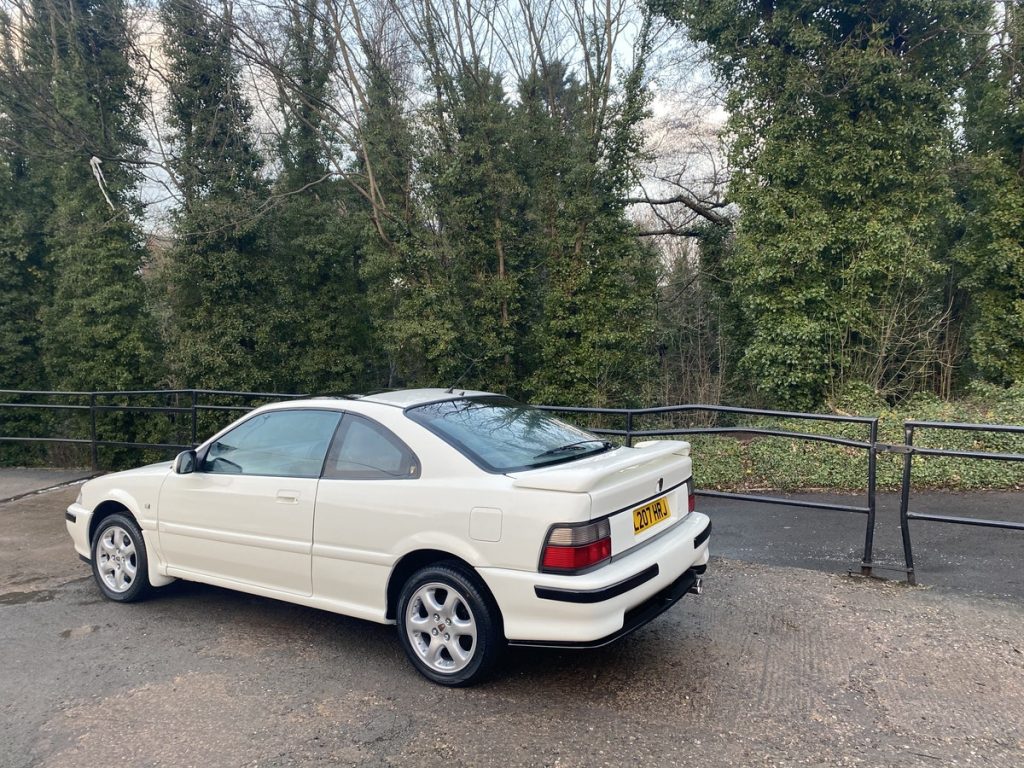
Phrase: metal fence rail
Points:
(184, 408)
(909, 450)
(95, 406)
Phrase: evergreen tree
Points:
(27, 161)
(22, 275)
(471, 291)
(391, 262)
(594, 339)
(22, 293)
(318, 222)
(228, 326)
(97, 332)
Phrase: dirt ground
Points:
(772, 666)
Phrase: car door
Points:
(368, 498)
(246, 514)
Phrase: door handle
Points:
(288, 497)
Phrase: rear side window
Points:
(365, 450)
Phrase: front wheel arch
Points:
(104, 510)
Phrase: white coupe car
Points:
(469, 520)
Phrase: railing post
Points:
(629, 428)
(195, 425)
(908, 555)
(869, 536)
(94, 449)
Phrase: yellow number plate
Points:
(650, 514)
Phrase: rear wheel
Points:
(119, 562)
(448, 625)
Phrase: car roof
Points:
(399, 398)
(405, 398)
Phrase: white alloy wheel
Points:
(119, 562)
(449, 624)
(116, 559)
(441, 627)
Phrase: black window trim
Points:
(338, 436)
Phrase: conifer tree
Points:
(391, 259)
(26, 275)
(474, 243)
(318, 221)
(22, 275)
(97, 331)
(595, 335)
(228, 324)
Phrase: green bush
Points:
(743, 462)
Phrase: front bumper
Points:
(599, 607)
(77, 520)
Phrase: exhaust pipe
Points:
(698, 587)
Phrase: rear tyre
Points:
(119, 562)
(448, 625)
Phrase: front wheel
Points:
(119, 562)
(448, 625)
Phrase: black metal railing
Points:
(191, 412)
(630, 416)
(185, 407)
(909, 450)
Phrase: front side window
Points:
(365, 450)
(501, 435)
(282, 443)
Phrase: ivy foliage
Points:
(841, 143)
(315, 228)
(515, 267)
(990, 255)
(23, 279)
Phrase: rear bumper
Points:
(598, 607)
(634, 618)
(598, 595)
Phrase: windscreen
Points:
(501, 435)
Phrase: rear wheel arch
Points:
(412, 562)
(448, 625)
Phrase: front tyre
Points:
(449, 627)
(119, 562)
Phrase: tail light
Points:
(573, 548)
(691, 500)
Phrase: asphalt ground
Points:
(772, 666)
(16, 482)
(965, 559)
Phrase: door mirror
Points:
(185, 462)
